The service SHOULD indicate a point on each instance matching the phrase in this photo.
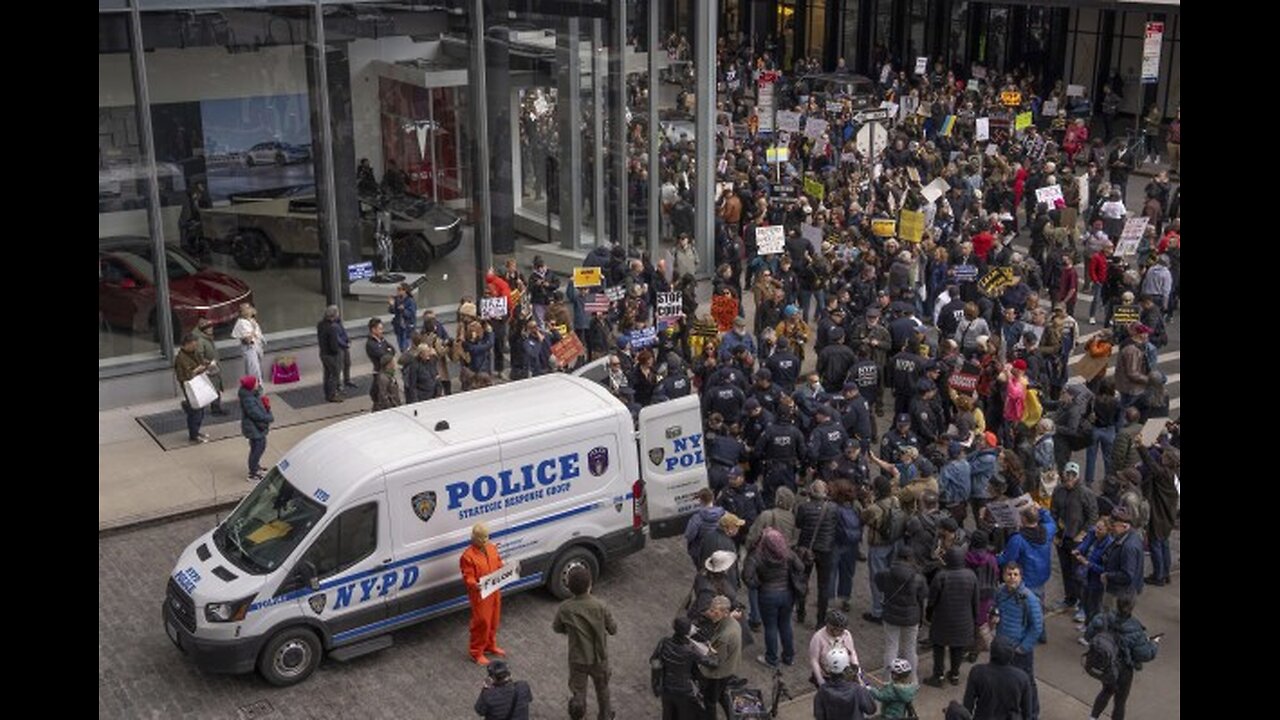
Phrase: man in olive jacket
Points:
(187, 365)
(726, 643)
(588, 622)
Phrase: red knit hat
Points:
(248, 382)
(1020, 364)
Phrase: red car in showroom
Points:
(127, 288)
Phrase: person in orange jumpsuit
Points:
(478, 560)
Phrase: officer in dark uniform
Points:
(834, 361)
(855, 413)
(724, 451)
(866, 373)
(827, 439)
(784, 365)
(903, 329)
(899, 436)
(676, 384)
(725, 400)
(729, 374)
(925, 421)
(834, 319)
(951, 314)
(870, 334)
(780, 450)
(853, 465)
(908, 368)
(765, 392)
(755, 421)
(742, 499)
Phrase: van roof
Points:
(336, 458)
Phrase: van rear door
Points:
(672, 463)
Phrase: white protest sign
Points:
(872, 139)
(1134, 228)
(788, 121)
(835, 108)
(982, 129)
(1075, 91)
(670, 304)
(1151, 431)
(1007, 513)
(1050, 107)
(973, 85)
(813, 234)
(493, 308)
(643, 338)
(922, 65)
(615, 293)
(814, 127)
(498, 579)
(1082, 187)
(770, 240)
(935, 190)
(992, 149)
(1049, 194)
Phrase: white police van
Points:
(357, 532)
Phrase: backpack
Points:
(1102, 660)
(655, 668)
(893, 523)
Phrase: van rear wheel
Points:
(290, 656)
(572, 558)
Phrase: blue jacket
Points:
(1021, 620)
(1095, 550)
(955, 484)
(1034, 558)
(481, 353)
(1124, 564)
(982, 467)
(404, 314)
(703, 521)
(256, 417)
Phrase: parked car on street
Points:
(127, 288)
(275, 152)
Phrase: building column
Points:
(704, 50)
(569, 121)
(655, 181)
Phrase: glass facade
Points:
(282, 153)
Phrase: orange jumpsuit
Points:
(486, 612)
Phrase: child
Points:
(895, 698)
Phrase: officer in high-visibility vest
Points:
(478, 560)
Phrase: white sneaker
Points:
(1093, 321)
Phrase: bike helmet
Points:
(836, 661)
(900, 667)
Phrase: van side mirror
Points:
(308, 574)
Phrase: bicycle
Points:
(780, 692)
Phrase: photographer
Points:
(502, 699)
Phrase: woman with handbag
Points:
(255, 421)
(769, 569)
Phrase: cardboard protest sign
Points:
(922, 65)
(1126, 314)
(568, 349)
(505, 575)
(770, 240)
(911, 225)
(670, 305)
(777, 154)
(813, 234)
(982, 129)
(584, 277)
(643, 338)
(1022, 121)
(935, 190)
(815, 188)
(1049, 194)
(724, 308)
(493, 308)
(788, 121)
(884, 227)
(814, 127)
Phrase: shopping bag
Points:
(199, 391)
(285, 370)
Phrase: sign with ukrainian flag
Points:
(948, 124)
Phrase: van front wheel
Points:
(572, 558)
(290, 657)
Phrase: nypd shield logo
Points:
(674, 432)
(424, 505)
(656, 455)
(317, 602)
(598, 461)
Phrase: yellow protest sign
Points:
(1022, 121)
(1011, 98)
(777, 154)
(911, 225)
(584, 277)
(814, 188)
(884, 227)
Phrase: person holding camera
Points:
(501, 698)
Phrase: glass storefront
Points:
(300, 148)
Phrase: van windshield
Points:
(267, 525)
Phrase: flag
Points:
(596, 302)
(948, 123)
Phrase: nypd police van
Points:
(358, 530)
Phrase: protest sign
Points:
(1126, 314)
(568, 350)
(500, 578)
(670, 304)
(493, 308)
(982, 129)
(883, 227)
(770, 240)
(643, 338)
(1022, 121)
(584, 277)
(724, 308)
(911, 225)
(996, 280)
(922, 65)
(815, 188)
(813, 234)
(1049, 195)
(615, 293)
(935, 190)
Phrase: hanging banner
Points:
(1151, 52)
(770, 240)
(911, 225)
(584, 277)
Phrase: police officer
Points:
(729, 373)
(853, 465)
(742, 499)
(866, 373)
(830, 321)
(899, 436)
(834, 361)
(827, 439)
(808, 397)
(925, 420)
(856, 413)
(676, 384)
(784, 365)
(755, 421)
(724, 450)
(765, 392)
(908, 368)
(725, 400)
(780, 450)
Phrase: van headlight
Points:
(233, 611)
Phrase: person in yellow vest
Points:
(479, 559)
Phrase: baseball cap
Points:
(1072, 467)
(904, 418)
